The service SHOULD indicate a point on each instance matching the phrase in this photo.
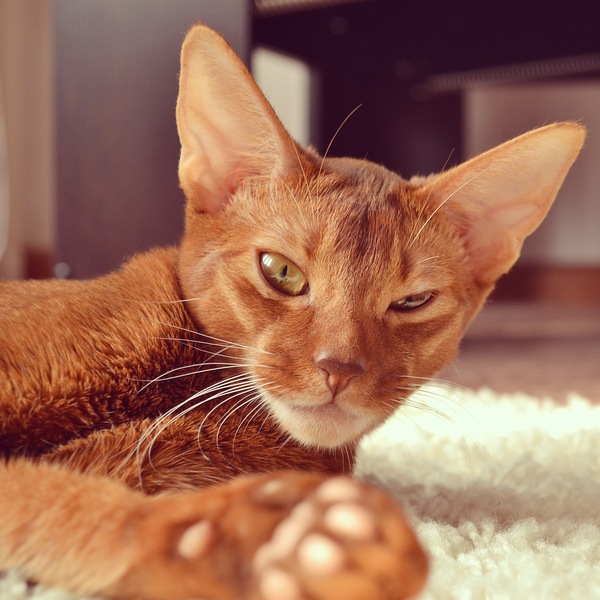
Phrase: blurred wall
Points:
(117, 150)
(88, 101)
(26, 60)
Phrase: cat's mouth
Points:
(326, 425)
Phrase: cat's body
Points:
(308, 299)
(119, 352)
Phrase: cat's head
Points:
(340, 285)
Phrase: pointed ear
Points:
(498, 198)
(228, 130)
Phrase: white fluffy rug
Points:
(504, 491)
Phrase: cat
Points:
(185, 427)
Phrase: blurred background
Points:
(89, 150)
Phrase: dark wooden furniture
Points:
(116, 86)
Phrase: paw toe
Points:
(196, 540)
(351, 521)
(338, 489)
(340, 538)
(320, 556)
(276, 584)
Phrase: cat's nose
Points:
(338, 374)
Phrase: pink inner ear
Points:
(501, 196)
(491, 254)
(494, 236)
(212, 165)
(521, 215)
(204, 191)
(228, 130)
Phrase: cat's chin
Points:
(322, 426)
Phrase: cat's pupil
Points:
(282, 274)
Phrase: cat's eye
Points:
(412, 302)
(282, 274)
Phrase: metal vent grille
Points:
(587, 64)
(273, 6)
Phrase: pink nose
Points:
(338, 374)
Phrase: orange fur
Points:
(257, 381)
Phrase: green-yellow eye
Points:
(282, 274)
(412, 302)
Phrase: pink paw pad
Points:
(312, 541)
(351, 521)
(196, 540)
(276, 584)
(320, 555)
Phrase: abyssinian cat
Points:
(185, 426)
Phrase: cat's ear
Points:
(228, 130)
(501, 196)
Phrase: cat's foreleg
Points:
(181, 457)
(282, 536)
(64, 529)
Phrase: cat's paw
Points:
(343, 539)
(283, 536)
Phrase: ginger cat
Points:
(181, 428)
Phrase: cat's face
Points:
(342, 287)
(338, 286)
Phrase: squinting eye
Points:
(282, 274)
(412, 302)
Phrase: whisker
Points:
(246, 402)
(293, 196)
(260, 407)
(286, 440)
(424, 260)
(201, 369)
(242, 388)
(166, 376)
(157, 423)
(226, 343)
(427, 408)
(216, 390)
(199, 344)
(448, 407)
(231, 394)
(304, 176)
(248, 418)
(337, 131)
(425, 204)
(348, 455)
(446, 384)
